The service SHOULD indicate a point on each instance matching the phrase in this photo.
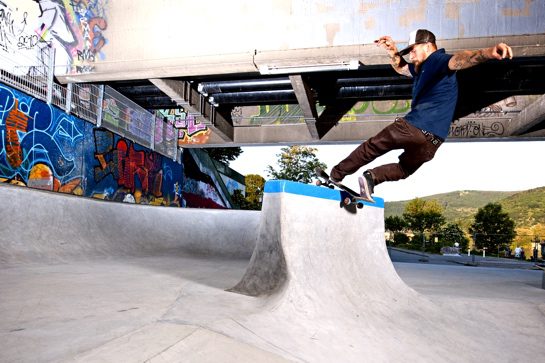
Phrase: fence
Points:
(98, 104)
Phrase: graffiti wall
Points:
(190, 131)
(74, 28)
(292, 114)
(489, 122)
(42, 147)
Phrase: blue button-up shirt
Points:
(435, 92)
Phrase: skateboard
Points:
(349, 198)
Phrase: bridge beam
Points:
(185, 95)
(529, 117)
(307, 102)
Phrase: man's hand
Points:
(501, 51)
(398, 63)
(386, 42)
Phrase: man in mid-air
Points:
(426, 126)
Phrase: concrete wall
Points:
(116, 36)
(188, 28)
(42, 147)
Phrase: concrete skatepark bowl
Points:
(303, 280)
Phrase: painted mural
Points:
(74, 28)
(39, 147)
(42, 147)
(292, 114)
(190, 130)
(126, 172)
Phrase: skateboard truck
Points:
(349, 198)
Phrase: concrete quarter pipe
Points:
(319, 286)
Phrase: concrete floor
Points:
(63, 299)
(104, 310)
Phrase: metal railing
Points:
(33, 82)
(101, 105)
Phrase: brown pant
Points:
(418, 147)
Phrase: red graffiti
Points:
(134, 164)
(131, 163)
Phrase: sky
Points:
(487, 166)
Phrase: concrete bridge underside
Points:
(298, 71)
(500, 100)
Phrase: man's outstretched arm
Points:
(469, 58)
(397, 62)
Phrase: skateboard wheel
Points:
(347, 201)
(318, 183)
(360, 205)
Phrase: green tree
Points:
(452, 234)
(296, 163)
(492, 227)
(224, 154)
(254, 193)
(239, 200)
(254, 190)
(423, 215)
(395, 224)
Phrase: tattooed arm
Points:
(469, 58)
(397, 62)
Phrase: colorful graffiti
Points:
(73, 28)
(292, 114)
(38, 146)
(42, 147)
(190, 130)
(138, 173)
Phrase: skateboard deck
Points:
(349, 198)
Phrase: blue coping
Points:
(286, 186)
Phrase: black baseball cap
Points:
(419, 36)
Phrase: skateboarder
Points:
(425, 127)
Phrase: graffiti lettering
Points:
(474, 129)
(28, 41)
(289, 114)
(91, 25)
(11, 28)
(127, 165)
(190, 130)
(191, 126)
(86, 55)
(6, 29)
(84, 69)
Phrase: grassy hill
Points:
(526, 208)
(458, 206)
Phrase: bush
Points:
(400, 239)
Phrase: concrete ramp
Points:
(327, 290)
(45, 227)
(91, 281)
(307, 241)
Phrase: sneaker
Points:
(366, 185)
